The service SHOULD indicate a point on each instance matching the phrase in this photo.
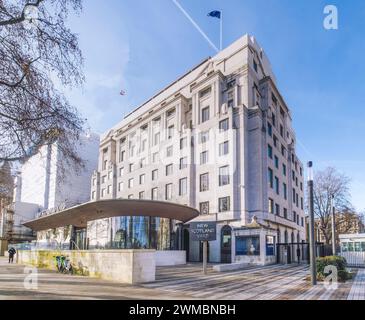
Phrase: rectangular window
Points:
(110, 175)
(223, 176)
(121, 172)
(282, 131)
(183, 143)
(156, 138)
(255, 65)
(143, 145)
(276, 162)
(103, 179)
(169, 151)
(120, 186)
(223, 125)
(155, 157)
(131, 167)
(183, 186)
(285, 191)
(183, 163)
(205, 92)
(205, 114)
(122, 156)
(247, 246)
(293, 193)
(169, 170)
(204, 136)
(93, 195)
(277, 209)
(223, 148)
(130, 183)
(271, 206)
(204, 182)
(277, 185)
(204, 157)
(269, 129)
(269, 151)
(154, 195)
(142, 179)
(109, 189)
(170, 113)
(168, 191)
(103, 192)
(141, 195)
(154, 175)
(170, 132)
(283, 151)
(270, 178)
(230, 99)
(204, 207)
(131, 151)
(285, 213)
(275, 139)
(142, 163)
(284, 169)
(270, 245)
(224, 204)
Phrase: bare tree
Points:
(36, 48)
(327, 183)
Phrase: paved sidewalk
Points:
(277, 282)
(55, 286)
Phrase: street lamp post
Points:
(312, 244)
(333, 221)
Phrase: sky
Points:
(140, 46)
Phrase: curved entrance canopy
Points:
(78, 216)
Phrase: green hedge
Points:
(337, 261)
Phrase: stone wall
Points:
(125, 266)
(170, 258)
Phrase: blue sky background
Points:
(140, 46)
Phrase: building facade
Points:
(218, 139)
(43, 186)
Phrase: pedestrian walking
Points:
(11, 252)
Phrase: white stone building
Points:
(43, 187)
(219, 139)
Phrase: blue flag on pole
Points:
(215, 14)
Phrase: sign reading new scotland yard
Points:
(203, 231)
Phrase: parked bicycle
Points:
(63, 264)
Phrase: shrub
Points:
(337, 261)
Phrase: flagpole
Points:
(221, 31)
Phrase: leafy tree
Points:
(37, 49)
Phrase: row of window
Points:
(203, 137)
(223, 202)
(274, 208)
(274, 183)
